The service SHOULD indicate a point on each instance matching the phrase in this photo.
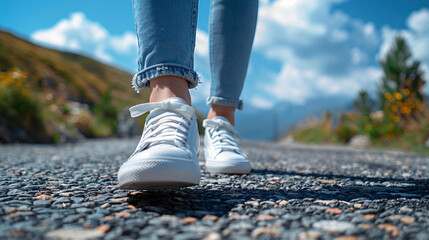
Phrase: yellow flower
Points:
(24, 75)
(399, 104)
(408, 110)
(396, 119)
(388, 95)
(398, 96)
(367, 127)
(24, 92)
(406, 91)
(393, 108)
(405, 110)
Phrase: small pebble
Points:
(260, 231)
(43, 197)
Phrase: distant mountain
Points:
(260, 124)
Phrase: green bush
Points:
(106, 116)
(347, 128)
(20, 108)
(319, 131)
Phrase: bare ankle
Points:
(222, 111)
(165, 87)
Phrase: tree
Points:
(366, 125)
(363, 103)
(401, 88)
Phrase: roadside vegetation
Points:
(37, 116)
(51, 96)
(397, 119)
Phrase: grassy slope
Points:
(84, 79)
(70, 76)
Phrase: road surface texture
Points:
(294, 192)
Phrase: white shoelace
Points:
(169, 127)
(223, 134)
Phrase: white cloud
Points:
(79, 34)
(201, 53)
(339, 35)
(202, 43)
(291, 84)
(358, 56)
(125, 43)
(202, 66)
(322, 52)
(260, 102)
(201, 92)
(310, 70)
(388, 36)
(418, 21)
(297, 85)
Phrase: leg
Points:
(166, 38)
(167, 154)
(232, 28)
(165, 87)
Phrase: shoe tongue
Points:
(222, 119)
(157, 112)
(225, 124)
(177, 100)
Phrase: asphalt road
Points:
(293, 192)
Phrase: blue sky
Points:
(303, 49)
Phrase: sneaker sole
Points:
(158, 174)
(228, 167)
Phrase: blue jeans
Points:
(166, 38)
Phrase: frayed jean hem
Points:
(225, 102)
(142, 78)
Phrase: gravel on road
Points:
(293, 192)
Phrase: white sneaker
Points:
(222, 152)
(167, 154)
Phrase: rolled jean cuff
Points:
(225, 102)
(142, 78)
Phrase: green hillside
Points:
(40, 89)
(85, 79)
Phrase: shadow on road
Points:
(333, 176)
(199, 202)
